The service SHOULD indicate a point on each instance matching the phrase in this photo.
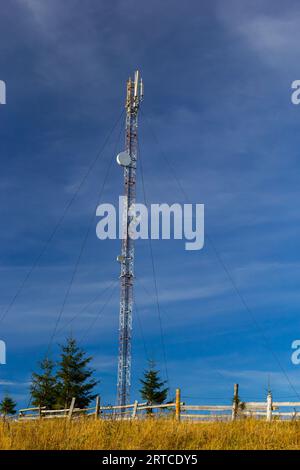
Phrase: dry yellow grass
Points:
(150, 434)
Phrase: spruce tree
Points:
(74, 376)
(44, 386)
(152, 387)
(7, 406)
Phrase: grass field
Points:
(150, 434)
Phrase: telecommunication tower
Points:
(128, 160)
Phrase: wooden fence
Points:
(267, 410)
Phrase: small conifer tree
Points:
(153, 390)
(74, 376)
(44, 386)
(7, 406)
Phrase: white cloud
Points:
(277, 378)
(42, 12)
(104, 363)
(273, 36)
(8, 383)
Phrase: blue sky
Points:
(217, 94)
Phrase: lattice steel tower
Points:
(128, 160)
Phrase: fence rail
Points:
(267, 410)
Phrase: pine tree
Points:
(74, 376)
(44, 386)
(7, 406)
(152, 390)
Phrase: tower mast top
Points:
(135, 92)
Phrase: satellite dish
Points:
(123, 159)
(120, 258)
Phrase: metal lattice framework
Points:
(134, 97)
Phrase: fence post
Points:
(235, 402)
(177, 405)
(134, 411)
(71, 409)
(269, 406)
(97, 407)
